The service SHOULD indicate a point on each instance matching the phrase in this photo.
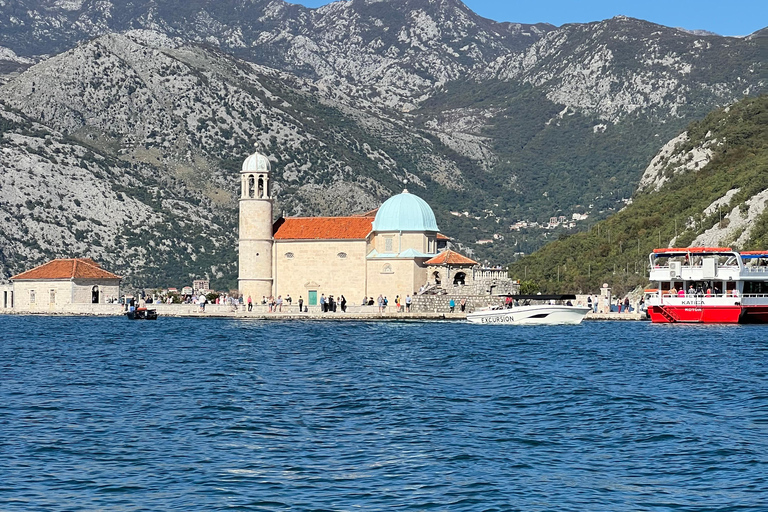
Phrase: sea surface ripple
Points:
(214, 415)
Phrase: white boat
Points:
(532, 310)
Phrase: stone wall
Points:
(441, 303)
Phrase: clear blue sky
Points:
(725, 17)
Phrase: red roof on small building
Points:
(450, 257)
(323, 228)
(441, 236)
(67, 268)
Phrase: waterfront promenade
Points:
(289, 313)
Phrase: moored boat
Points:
(708, 285)
(141, 314)
(531, 310)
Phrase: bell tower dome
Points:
(255, 235)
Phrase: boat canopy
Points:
(691, 250)
(753, 254)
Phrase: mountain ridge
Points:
(493, 124)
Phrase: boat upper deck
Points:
(708, 263)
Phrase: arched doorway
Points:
(436, 277)
(459, 278)
(95, 295)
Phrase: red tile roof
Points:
(441, 236)
(323, 228)
(67, 268)
(450, 257)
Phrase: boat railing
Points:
(756, 270)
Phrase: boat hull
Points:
(142, 314)
(717, 314)
(530, 315)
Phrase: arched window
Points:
(459, 278)
(261, 187)
(251, 183)
(95, 295)
(387, 269)
(342, 255)
(289, 255)
(436, 277)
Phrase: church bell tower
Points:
(255, 242)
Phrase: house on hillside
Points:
(61, 283)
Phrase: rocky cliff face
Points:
(505, 122)
(390, 52)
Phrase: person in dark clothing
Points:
(343, 304)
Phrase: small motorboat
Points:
(142, 314)
(532, 309)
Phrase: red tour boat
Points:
(709, 285)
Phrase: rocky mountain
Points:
(390, 53)
(182, 118)
(493, 123)
(706, 187)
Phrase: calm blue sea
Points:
(214, 415)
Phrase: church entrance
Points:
(95, 295)
(312, 297)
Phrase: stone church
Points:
(391, 251)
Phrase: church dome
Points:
(405, 212)
(256, 163)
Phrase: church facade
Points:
(380, 253)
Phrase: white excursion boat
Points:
(532, 310)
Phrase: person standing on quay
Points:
(250, 303)
(463, 304)
(452, 305)
(408, 301)
(343, 302)
(301, 304)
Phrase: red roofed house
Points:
(384, 251)
(63, 282)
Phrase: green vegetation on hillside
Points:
(615, 251)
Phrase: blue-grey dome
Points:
(256, 163)
(405, 212)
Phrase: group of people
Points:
(330, 304)
(462, 304)
(697, 291)
(382, 302)
(622, 305)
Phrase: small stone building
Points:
(450, 269)
(452, 276)
(64, 282)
